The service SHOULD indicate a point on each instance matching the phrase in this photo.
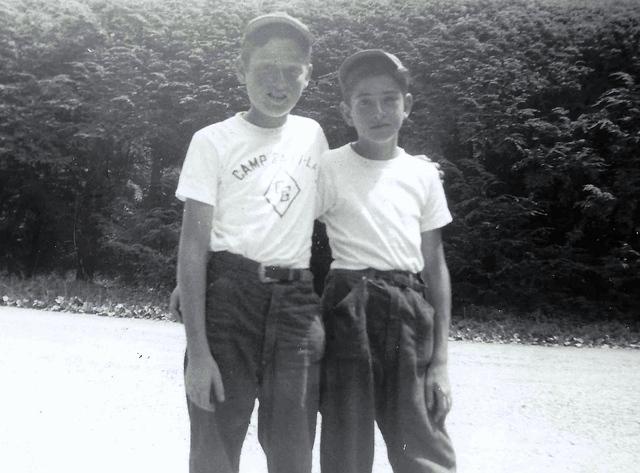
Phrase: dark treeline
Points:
(531, 107)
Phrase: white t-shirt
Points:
(375, 211)
(261, 183)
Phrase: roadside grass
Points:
(106, 297)
(112, 298)
(489, 324)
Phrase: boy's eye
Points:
(267, 70)
(385, 101)
(293, 72)
(272, 70)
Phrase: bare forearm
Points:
(436, 275)
(439, 289)
(192, 268)
(192, 283)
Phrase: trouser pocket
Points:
(344, 307)
(418, 322)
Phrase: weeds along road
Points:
(85, 393)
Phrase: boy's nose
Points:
(379, 109)
(278, 77)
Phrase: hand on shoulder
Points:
(436, 164)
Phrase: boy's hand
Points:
(438, 391)
(203, 382)
(440, 171)
(435, 163)
(174, 304)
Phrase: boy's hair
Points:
(368, 63)
(275, 25)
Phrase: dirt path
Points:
(83, 393)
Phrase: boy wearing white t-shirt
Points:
(251, 317)
(386, 353)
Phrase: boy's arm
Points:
(202, 376)
(436, 276)
(174, 304)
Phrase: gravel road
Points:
(85, 393)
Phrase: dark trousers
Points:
(379, 332)
(268, 340)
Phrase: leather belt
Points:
(268, 274)
(224, 260)
(402, 278)
(395, 277)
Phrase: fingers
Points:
(202, 399)
(176, 315)
(203, 383)
(438, 400)
(429, 389)
(217, 388)
(440, 171)
(174, 305)
(442, 404)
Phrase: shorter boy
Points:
(386, 354)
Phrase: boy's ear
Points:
(307, 77)
(408, 103)
(240, 70)
(346, 113)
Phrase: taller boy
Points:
(251, 316)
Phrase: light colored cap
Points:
(278, 18)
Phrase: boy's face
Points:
(275, 75)
(376, 107)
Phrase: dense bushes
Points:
(532, 108)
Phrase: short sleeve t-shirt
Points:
(375, 211)
(261, 184)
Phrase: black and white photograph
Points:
(320, 236)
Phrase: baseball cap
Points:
(378, 57)
(278, 18)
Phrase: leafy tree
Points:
(531, 108)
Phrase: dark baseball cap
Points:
(383, 61)
(278, 18)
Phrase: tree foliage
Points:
(532, 109)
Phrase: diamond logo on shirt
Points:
(281, 193)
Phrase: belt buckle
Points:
(262, 277)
